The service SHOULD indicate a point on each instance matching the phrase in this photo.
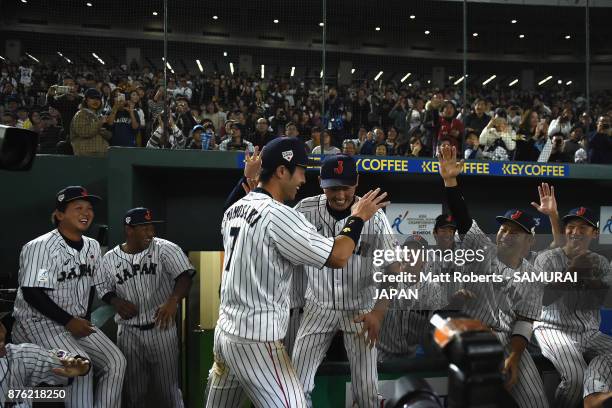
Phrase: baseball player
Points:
(264, 240)
(569, 327)
(342, 299)
(28, 365)
(57, 272)
(598, 382)
(508, 308)
(145, 279)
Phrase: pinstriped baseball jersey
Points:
(561, 313)
(264, 241)
(146, 279)
(48, 262)
(498, 304)
(352, 287)
(27, 365)
(298, 288)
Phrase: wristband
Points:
(523, 328)
(352, 229)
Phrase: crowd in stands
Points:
(82, 110)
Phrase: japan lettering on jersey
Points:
(49, 262)
(264, 241)
(351, 287)
(145, 279)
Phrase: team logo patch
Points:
(288, 155)
(581, 211)
(449, 218)
(516, 215)
(60, 198)
(43, 275)
(340, 169)
(84, 193)
(128, 219)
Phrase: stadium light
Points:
(567, 37)
(405, 77)
(545, 80)
(321, 74)
(89, 4)
(559, 81)
(321, 24)
(2, 58)
(292, 71)
(225, 53)
(35, 59)
(275, 21)
(263, 71)
(457, 82)
(66, 58)
(378, 76)
(492, 77)
(200, 65)
(377, 28)
(168, 65)
(215, 17)
(568, 83)
(521, 36)
(513, 82)
(475, 35)
(412, 16)
(513, 21)
(429, 81)
(155, 13)
(427, 32)
(24, 1)
(232, 68)
(352, 70)
(98, 58)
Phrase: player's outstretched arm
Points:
(346, 241)
(449, 169)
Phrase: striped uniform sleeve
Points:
(529, 303)
(476, 240)
(106, 281)
(36, 267)
(98, 277)
(35, 364)
(174, 260)
(598, 375)
(297, 240)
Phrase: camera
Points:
(62, 90)
(475, 358)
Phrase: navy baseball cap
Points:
(584, 214)
(418, 239)
(338, 170)
(93, 93)
(520, 218)
(284, 151)
(139, 216)
(72, 193)
(445, 220)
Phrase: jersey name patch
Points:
(147, 269)
(84, 270)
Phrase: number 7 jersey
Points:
(264, 241)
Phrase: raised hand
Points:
(366, 206)
(449, 168)
(548, 202)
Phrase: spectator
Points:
(140, 114)
(384, 108)
(530, 131)
(572, 144)
(361, 110)
(183, 90)
(368, 146)
(379, 136)
(498, 135)
(326, 148)
(361, 137)
(558, 155)
(34, 122)
(417, 149)
(381, 150)
(156, 105)
(586, 123)
(279, 121)
(291, 130)
(398, 114)
(123, 121)
(88, 137)
(478, 119)
(417, 114)
(472, 146)
(50, 135)
(162, 140)
(562, 124)
(600, 146)
(349, 148)
(262, 135)
(217, 116)
(65, 99)
(195, 137)
(514, 117)
(431, 123)
(235, 142)
(392, 141)
(23, 120)
(9, 119)
(184, 119)
(449, 126)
